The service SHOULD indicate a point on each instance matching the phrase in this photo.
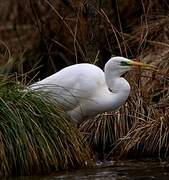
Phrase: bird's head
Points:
(120, 65)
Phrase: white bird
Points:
(85, 90)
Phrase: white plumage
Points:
(86, 90)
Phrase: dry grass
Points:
(103, 131)
(147, 138)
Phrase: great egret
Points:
(85, 90)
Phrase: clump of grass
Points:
(146, 138)
(104, 130)
(36, 137)
(98, 132)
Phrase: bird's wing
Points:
(73, 84)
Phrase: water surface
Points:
(121, 170)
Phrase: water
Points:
(123, 170)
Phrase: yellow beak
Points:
(141, 65)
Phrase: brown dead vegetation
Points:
(53, 34)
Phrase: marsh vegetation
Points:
(39, 38)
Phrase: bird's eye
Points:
(124, 63)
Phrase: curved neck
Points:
(107, 100)
(119, 88)
(112, 78)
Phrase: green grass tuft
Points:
(36, 137)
